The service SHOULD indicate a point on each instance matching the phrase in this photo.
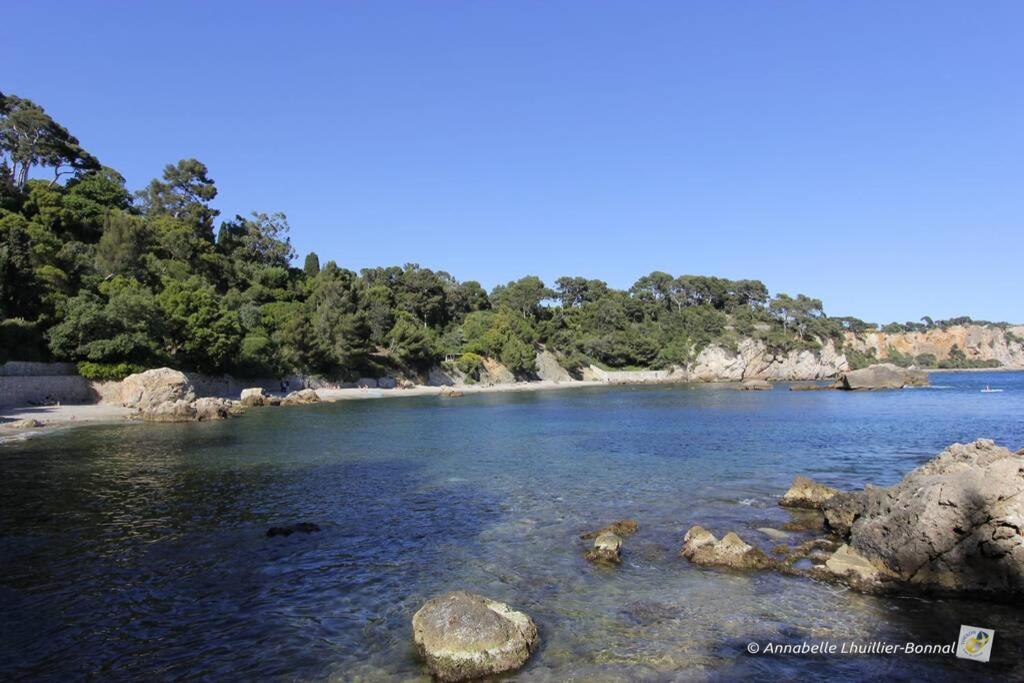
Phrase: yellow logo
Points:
(975, 643)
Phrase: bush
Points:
(107, 372)
(470, 364)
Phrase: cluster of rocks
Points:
(953, 526)
(166, 395)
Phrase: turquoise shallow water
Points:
(138, 551)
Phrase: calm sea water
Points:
(139, 551)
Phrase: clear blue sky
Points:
(870, 154)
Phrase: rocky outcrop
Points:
(755, 385)
(170, 411)
(977, 342)
(882, 376)
(211, 408)
(462, 636)
(953, 525)
(549, 369)
(495, 373)
(607, 549)
(146, 390)
(254, 397)
(701, 547)
(807, 493)
(301, 397)
(752, 359)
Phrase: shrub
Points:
(107, 372)
(470, 365)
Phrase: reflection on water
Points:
(139, 551)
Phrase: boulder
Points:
(146, 390)
(807, 494)
(210, 408)
(462, 636)
(27, 423)
(301, 397)
(701, 547)
(607, 549)
(170, 411)
(882, 376)
(953, 525)
(755, 385)
(386, 382)
(254, 397)
(623, 528)
(366, 382)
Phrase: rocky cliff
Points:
(977, 342)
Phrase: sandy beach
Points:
(14, 421)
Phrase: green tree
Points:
(29, 137)
(184, 193)
(523, 296)
(312, 264)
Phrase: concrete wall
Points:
(18, 368)
(44, 390)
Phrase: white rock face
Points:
(753, 360)
(151, 388)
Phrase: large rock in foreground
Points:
(952, 526)
(146, 390)
(883, 376)
(463, 636)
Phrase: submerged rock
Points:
(774, 534)
(701, 547)
(301, 527)
(607, 549)
(882, 376)
(301, 397)
(623, 527)
(462, 636)
(807, 493)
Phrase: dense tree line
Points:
(93, 273)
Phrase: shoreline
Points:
(70, 415)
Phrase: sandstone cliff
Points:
(977, 342)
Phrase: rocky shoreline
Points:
(953, 527)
